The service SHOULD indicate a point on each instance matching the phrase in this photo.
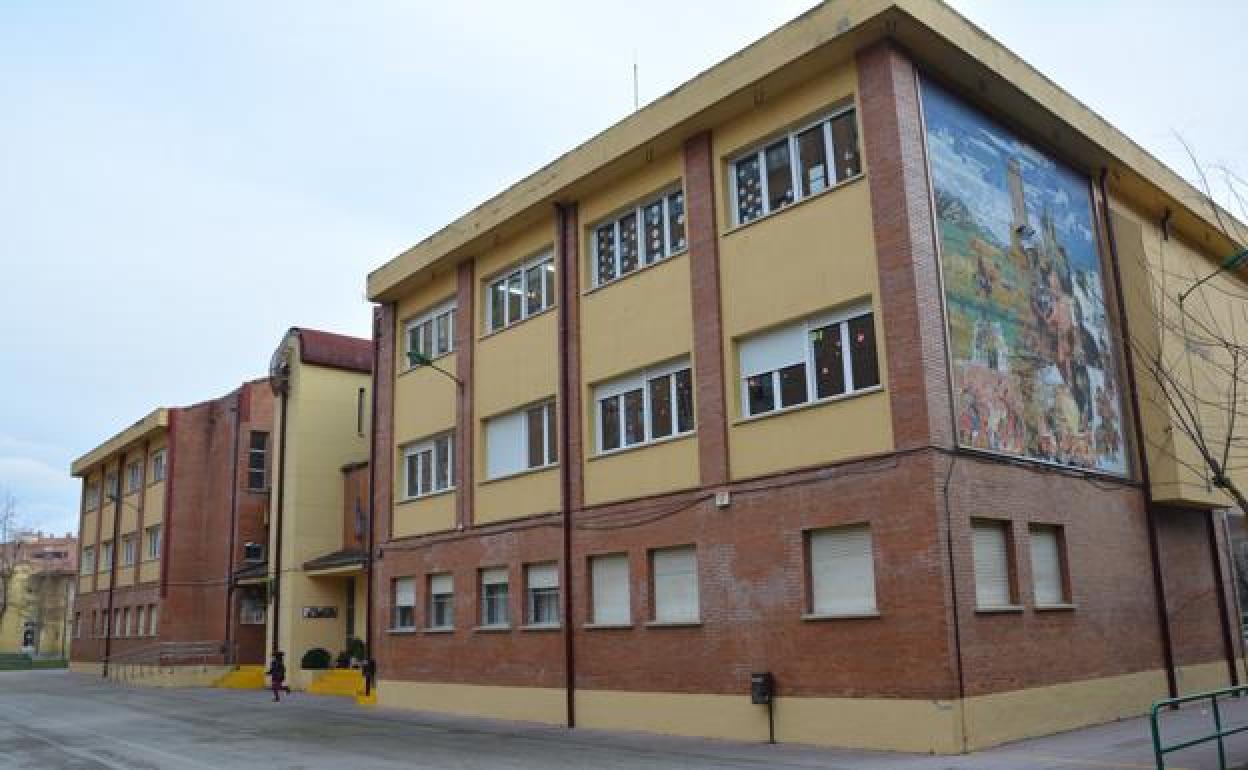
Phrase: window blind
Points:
(773, 350)
(992, 565)
(610, 589)
(494, 576)
(1046, 566)
(440, 584)
(405, 592)
(543, 576)
(842, 571)
(675, 585)
(506, 444)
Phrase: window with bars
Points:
(405, 603)
(815, 359)
(430, 335)
(608, 576)
(521, 292)
(542, 594)
(258, 461)
(495, 598)
(429, 466)
(802, 163)
(643, 235)
(158, 465)
(521, 440)
(842, 571)
(441, 602)
(1047, 558)
(646, 406)
(994, 587)
(675, 572)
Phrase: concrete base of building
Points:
(891, 724)
(146, 675)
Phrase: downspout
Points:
(565, 485)
(1154, 547)
(229, 554)
(283, 393)
(372, 492)
(112, 567)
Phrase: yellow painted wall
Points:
(531, 704)
(645, 470)
(421, 516)
(524, 494)
(149, 571)
(49, 606)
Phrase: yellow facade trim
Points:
(155, 420)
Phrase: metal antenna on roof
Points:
(636, 98)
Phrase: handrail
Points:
(1219, 733)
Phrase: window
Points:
(106, 555)
(134, 476)
(92, 496)
(675, 573)
(125, 622)
(441, 601)
(127, 550)
(520, 440)
(257, 460)
(842, 571)
(643, 235)
(153, 541)
(1048, 585)
(428, 466)
(431, 334)
(251, 611)
(495, 598)
(806, 361)
(117, 622)
(360, 398)
(803, 163)
(522, 292)
(610, 594)
(111, 488)
(405, 603)
(139, 628)
(253, 551)
(158, 465)
(542, 588)
(88, 560)
(644, 407)
(993, 585)
(153, 619)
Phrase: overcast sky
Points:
(182, 181)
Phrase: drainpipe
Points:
(229, 555)
(283, 391)
(112, 567)
(565, 482)
(372, 493)
(1154, 548)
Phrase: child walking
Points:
(277, 676)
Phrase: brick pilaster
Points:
(570, 394)
(381, 455)
(465, 338)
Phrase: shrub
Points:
(316, 658)
(355, 648)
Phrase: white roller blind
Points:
(543, 576)
(1046, 566)
(440, 584)
(506, 445)
(611, 595)
(992, 565)
(405, 592)
(494, 576)
(842, 571)
(675, 585)
(773, 350)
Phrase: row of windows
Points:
(840, 570)
(129, 551)
(134, 480)
(128, 622)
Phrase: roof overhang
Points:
(941, 41)
(156, 420)
(345, 569)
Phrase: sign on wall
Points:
(320, 613)
(1030, 345)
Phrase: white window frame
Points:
(495, 432)
(530, 595)
(140, 618)
(808, 349)
(263, 455)
(447, 308)
(640, 381)
(128, 551)
(430, 445)
(434, 582)
(488, 576)
(759, 149)
(158, 465)
(153, 619)
(546, 256)
(106, 555)
(88, 560)
(134, 475)
(112, 484)
(152, 535)
(401, 588)
(92, 494)
(667, 251)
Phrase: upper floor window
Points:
(92, 495)
(807, 361)
(153, 541)
(431, 334)
(428, 466)
(111, 485)
(520, 440)
(643, 235)
(127, 550)
(802, 163)
(645, 406)
(88, 560)
(106, 555)
(257, 460)
(158, 465)
(251, 611)
(521, 292)
(134, 475)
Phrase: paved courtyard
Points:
(55, 719)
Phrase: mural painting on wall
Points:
(1033, 369)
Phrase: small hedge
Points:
(316, 658)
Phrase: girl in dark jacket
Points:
(277, 676)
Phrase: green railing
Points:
(1220, 731)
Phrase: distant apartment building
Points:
(173, 509)
(816, 368)
(38, 575)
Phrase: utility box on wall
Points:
(762, 686)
